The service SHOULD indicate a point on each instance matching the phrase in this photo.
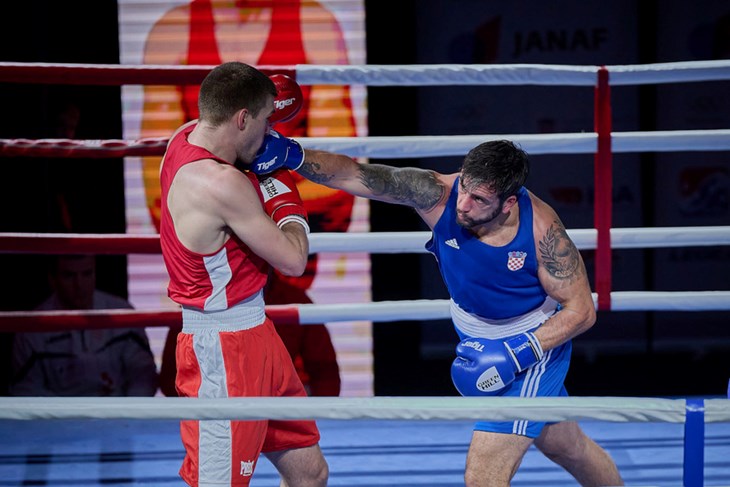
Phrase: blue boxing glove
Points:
(484, 367)
(277, 152)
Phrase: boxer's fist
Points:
(277, 152)
(484, 367)
(281, 199)
(289, 100)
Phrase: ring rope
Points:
(154, 146)
(113, 74)
(442, 145)
(373, 242)
(511, 74)
(402, 147)
(611, 409)
(307, 314)
(376, 75)
(440, 75)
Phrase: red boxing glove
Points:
(289, 100)
(281, 199)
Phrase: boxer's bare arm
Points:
(424, 190)
(563, 275)
(209, 201)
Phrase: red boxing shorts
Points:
(222, 354)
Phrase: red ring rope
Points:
(55, 243)
(58, 148)
(113, 74)
(603, 183)
(32, 321)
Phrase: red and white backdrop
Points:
(159, 33)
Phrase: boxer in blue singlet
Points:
(519, 294)
(511, 296)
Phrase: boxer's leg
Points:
(567, 445)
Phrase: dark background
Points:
(625, 353)
(632, 354)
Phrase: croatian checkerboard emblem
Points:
(515, 260)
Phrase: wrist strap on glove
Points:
(525, 350)
(283, 216)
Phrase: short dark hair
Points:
(230, 87)
(499, 164)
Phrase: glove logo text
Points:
(490, 380)
(263, 166)
(475, 345)
(281, 104)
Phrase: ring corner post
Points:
(603, 184)
(694, 443)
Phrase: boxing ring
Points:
(655, 441)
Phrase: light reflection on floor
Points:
(124, 453)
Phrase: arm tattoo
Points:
(413, 187)
(408, 186)
(311, 171)
(559, 254)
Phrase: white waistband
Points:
(478, 327)
(244, 315)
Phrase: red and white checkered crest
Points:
(515, 260)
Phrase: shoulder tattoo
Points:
(559, 254)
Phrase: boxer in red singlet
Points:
(283, 42)
(221, 230)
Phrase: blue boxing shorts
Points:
(544, 379)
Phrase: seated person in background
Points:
(97, 362)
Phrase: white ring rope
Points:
(447, 74)
(438, 309)
(405, 242)
(401, 147)
(413, 146)
(584, 238)
(510, 74)
(387, 311)
(612, 409)
(444, 74)
(413, 242)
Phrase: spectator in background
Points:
(97, 362)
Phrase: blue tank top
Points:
(491, 282)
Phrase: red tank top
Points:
(284, 46)
(214, 281)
